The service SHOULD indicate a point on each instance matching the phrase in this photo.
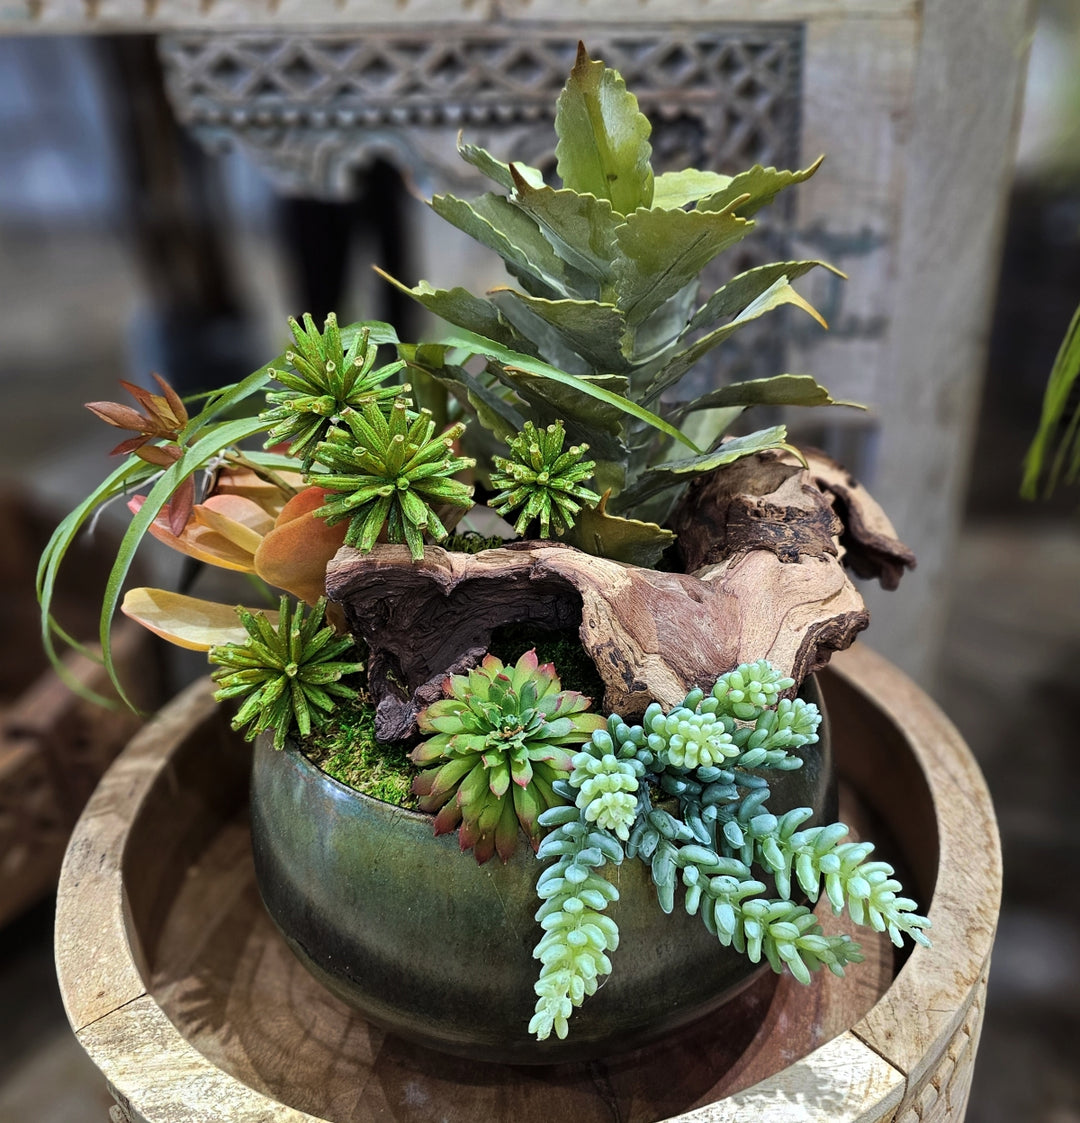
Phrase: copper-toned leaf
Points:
(188, 622)
(294, 555)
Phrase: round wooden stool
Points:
(180, 989)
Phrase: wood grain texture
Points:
(54, 747)
(217, 1012)
(924, 1010)
(958, 168)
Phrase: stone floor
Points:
(1011, 681)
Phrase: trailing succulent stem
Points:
(704, 759)
(288, 677)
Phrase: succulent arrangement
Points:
(554, 403)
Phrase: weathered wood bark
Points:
(762, 542)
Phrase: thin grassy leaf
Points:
(477, 345)
(128, 475)
(218, 437)
(1042, 456)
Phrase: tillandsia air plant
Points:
(558, 401)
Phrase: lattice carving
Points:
(942, 1094)
(314, 109)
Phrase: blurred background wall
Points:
(103, 278)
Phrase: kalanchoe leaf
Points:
(391, 473)
(495, 755)
(287, 677)
(325, 379)
(542, 481)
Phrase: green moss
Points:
(347, 749)
(470, 542)
(563, 648)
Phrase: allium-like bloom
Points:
(289, 676)
(501, 735)
(391, 473)
(541, 479)
(325, 380)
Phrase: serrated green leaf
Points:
(495, 169)
(621, 539)
(676, 472)
(778, 294)
(663, 251)
(579, 228)
(460, 307)
(779, 390)
(762, 185)
(673, 190)
(477, 345)
(603, 146)
(590, 329)
(497, 223)
(740, 291)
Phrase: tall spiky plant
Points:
(608, 266)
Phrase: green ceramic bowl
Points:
(427, 944)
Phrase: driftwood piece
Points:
(761, 542)
(869, 539)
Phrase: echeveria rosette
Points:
(325, 380)
(500, 741)
(391, 472)
(289, 677)
(542, 480)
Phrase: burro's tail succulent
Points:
(606, 315)
(501, 739)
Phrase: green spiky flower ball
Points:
(542, 480)
(289, 677)
(501, 738)
(391, 472)
(325, 380)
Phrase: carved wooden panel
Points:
(313, 109)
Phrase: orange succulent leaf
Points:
(245, 482)
(188, 622)
(242, 521)
(294, 555)
(199, 541)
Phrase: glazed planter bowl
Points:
(431, 946)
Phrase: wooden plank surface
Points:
(958, 167)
